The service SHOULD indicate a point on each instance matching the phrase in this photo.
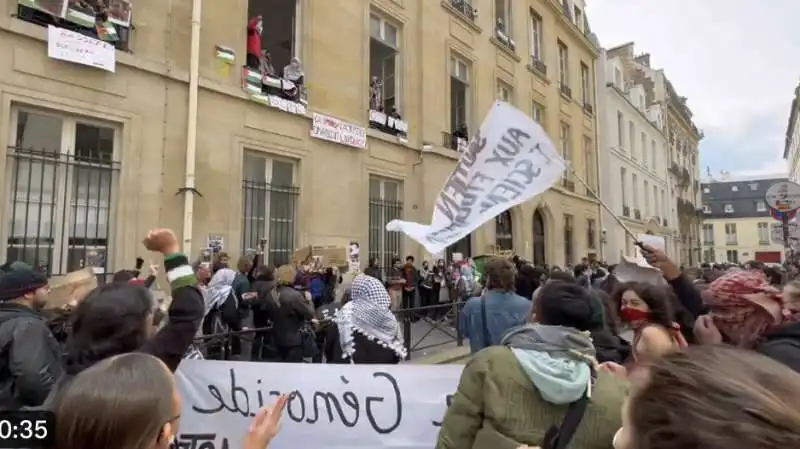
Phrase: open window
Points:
(106, 20)
(458, 137)
(274, 72)
(384, 77)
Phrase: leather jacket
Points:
(30, 357)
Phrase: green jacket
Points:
(497, 407)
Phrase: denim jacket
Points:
(504, 310)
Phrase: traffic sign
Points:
(783, 196)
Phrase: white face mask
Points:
(260, 27)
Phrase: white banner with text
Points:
(509, 161)
(330, 406)
(334, 130)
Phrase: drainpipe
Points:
(599, 140)
(189, 189)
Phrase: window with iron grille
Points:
(62, 177)
(569, 251)
(591, 234)
(504, 232)
(385, 205)
(269, 206)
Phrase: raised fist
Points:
(162, 241)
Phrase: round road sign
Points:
(783, 196)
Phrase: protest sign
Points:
(508, 162)
(70, 288)
(330, 406)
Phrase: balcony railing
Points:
(465, 8)
(565, 90)
(626, 211)
(763, 242)
(666, 223)
(731, 241)
(538, 65)
(274, 91)
(568, 185)
(588, 108)
(454, 142)
(389, 124)
(637, 214)
(708, 242)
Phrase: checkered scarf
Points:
(744, 305)
(368, 314)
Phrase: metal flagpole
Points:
(607, 208)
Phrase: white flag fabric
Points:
(509, 161)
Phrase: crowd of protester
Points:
(706, 357)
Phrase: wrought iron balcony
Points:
(538, 65)
(588, 108)
(465, 8)
(454, 142)
(568, 185)
(626, 211)
(731, 241)
(637, 214)
(565, 90)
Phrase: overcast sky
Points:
(737, 61)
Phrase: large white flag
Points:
(509, 161)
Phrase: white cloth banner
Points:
(75, 47)
(508, 162)
(330, 406)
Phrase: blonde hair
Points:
(285, 275)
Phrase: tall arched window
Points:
(504, 236)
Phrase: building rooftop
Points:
(726, 176)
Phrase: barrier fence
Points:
(424, 328)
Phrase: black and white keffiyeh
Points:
(368, 313)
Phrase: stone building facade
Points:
(93, 159)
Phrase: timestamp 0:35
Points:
(32, 429)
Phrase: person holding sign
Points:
(118, 318)
(131, 401)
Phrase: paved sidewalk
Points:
(451, 355)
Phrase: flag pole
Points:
(605, 206)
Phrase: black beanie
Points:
(19, 281)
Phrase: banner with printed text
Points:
(509, 161)
(330, 406)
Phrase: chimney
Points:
(644, 59)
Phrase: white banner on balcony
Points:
(334, 130)
(74, 47)
(508, 162)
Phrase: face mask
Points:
(631, 315)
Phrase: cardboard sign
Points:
(70, 288)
